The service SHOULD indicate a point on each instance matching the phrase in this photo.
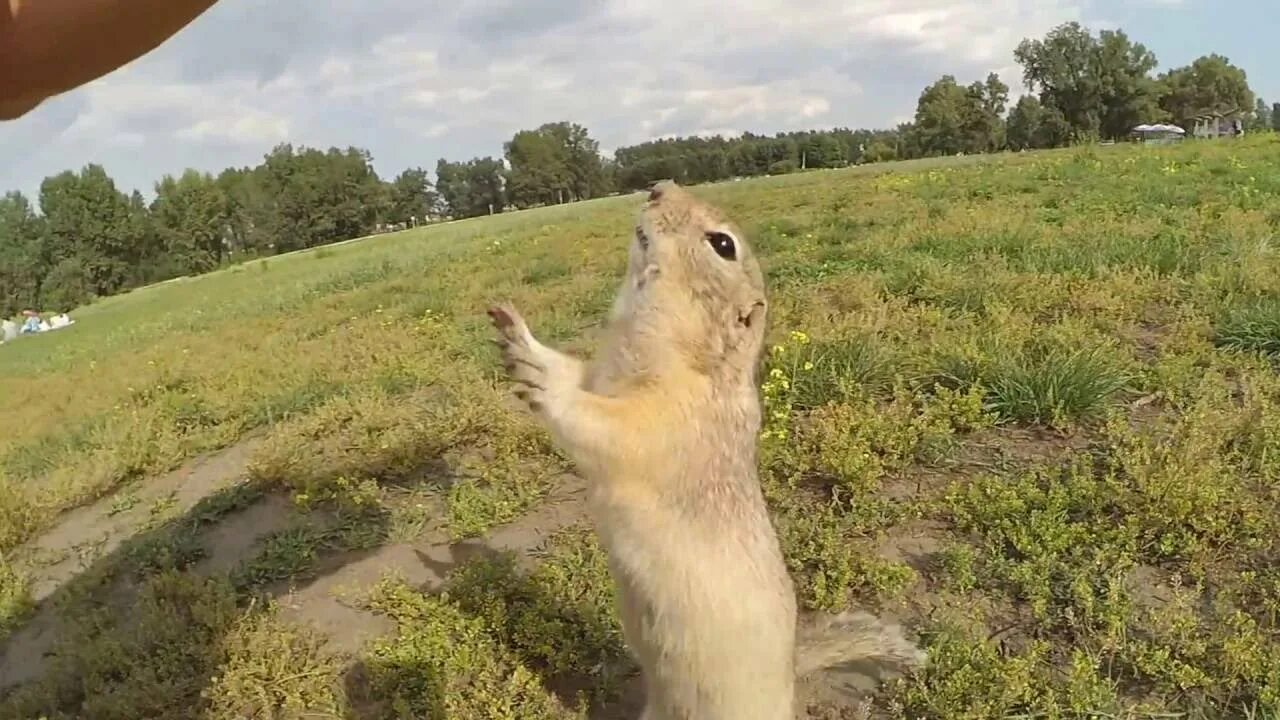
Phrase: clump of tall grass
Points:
(1250, 327)
(1042, 382)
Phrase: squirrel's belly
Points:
(712, 630)
(691, 593)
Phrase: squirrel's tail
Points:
(860, 648)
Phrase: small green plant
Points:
(829, 556)
(957, 564)
(560, 618)
(15, 597)
(123, 503)
(286, 555)
(444, 662)
(273, 669)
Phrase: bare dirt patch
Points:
(91, 537)
(88, 533)
(331, 602)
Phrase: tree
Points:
(984, 125)
(1209, 84)
(1101, 86)
(68, 285)
(473, 188)
(1261, 119)
(1024, 123)
(557, 162)
(1130, 96)
(191, 215)
(21, 250)
(1275, 117)
(822, 150)
(941, 113)
(412, 196)
(245, 234)
(881, 151)
(540, 168)
(1032, 125)
(586, 167)
(952, 119)
(87, 219)
(150, 251)
(318, 197)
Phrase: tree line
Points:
(89, 238)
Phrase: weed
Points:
(152, 661)
(123, 503)
(285, 555)
(560, 618)
(271, 669)
(15, 597)
(444, 662)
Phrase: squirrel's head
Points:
(692, 267)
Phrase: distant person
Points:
(48, 47)
(32, 323)
(8, 331)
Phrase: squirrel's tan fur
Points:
(664, 424)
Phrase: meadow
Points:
(1025, 403)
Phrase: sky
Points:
(416, 80)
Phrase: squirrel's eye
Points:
(723, 244)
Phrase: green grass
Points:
(1026, 402)
(1251, 327)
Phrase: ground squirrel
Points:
(664, 424)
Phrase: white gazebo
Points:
(1159, 133)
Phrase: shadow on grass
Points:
(546, 620)
(145, 630)
(179, 621)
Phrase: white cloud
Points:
(256, 128)
(224, 112)
(413, 84)
(435, 131)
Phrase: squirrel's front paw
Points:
(520, 355)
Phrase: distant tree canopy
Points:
(472, 188)
(89, 238)
(412, 196)
(1102, 86)
(1261, 119)
(954, 119)
(189, 217)
(1210, 84)
(557, 162)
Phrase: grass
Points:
(15, 597)
(1026, 402)
(1251, 327)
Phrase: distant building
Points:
(1217, 124)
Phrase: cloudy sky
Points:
(415, 80)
